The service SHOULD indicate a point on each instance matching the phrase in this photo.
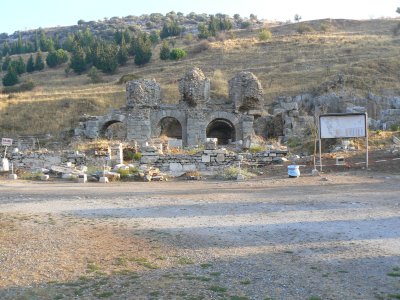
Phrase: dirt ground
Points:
(333, 236)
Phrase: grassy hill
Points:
(366, 52)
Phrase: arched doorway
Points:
(221, 129)
(170, 127)
(113, 130)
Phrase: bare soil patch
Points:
(333, 237)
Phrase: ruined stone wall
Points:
(210, 160)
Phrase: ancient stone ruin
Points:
(198, 116)
(194, 119)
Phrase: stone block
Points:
(13, 177)
(175, 167)
(205, 158)
(189, 167)
(82, 178)
(103, 180)
(220, 158)
(175, 144)
(44, 177)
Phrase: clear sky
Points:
(31, 14)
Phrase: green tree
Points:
(154, 37)
(78, 62)
(18, 65)
(39, 63)
(203, 31)
(30, 64)
(177, 54)
(165, 51)
(56, 58)
(123, 55)
(6, 63)
(11, 78)
(6, 49)
(106, 58)
(171, 28)
(143, 51)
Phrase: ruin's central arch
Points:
(170, 127)
(221, 129)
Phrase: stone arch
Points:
(110, 131)
(108, 120)
(229, 118)
(170, 127)
(177, 116)
(222, 129)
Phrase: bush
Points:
(200, 47)
(232, 173)
(23, 87)
(304, 28)
(127, 77)
(94, 75)
(165, 52)
(395, 127)
(177, 54)
(137, 156)
(256, 149)
(265, 35)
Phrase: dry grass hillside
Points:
(289, 63)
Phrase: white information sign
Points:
(334, 126)
(6, 142)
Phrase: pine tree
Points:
(6, 49)
(123, 54)
(18, 65)
(39, 63)
(78, 62)
(165, 51)
(30, 65)
(11, 77)
(142, 49)
(6, 63)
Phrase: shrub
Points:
(23, 87)
(94, 75)
(165, 51)
(177, 54)
(137, 156)
(127, 77)
(200, 47)
(232, 173)
(304, 28)
(256, 149)
(395, 127)
(265, 35)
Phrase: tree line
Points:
(84, 50)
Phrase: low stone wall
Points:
(44, 159)
(210, 160)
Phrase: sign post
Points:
(6, 142)
(333, 126)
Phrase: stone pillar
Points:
(247, 126)
(196, 130)
(138, 125)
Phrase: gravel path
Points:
(280, 238)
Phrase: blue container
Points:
(293, 171)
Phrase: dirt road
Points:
(308, 238)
